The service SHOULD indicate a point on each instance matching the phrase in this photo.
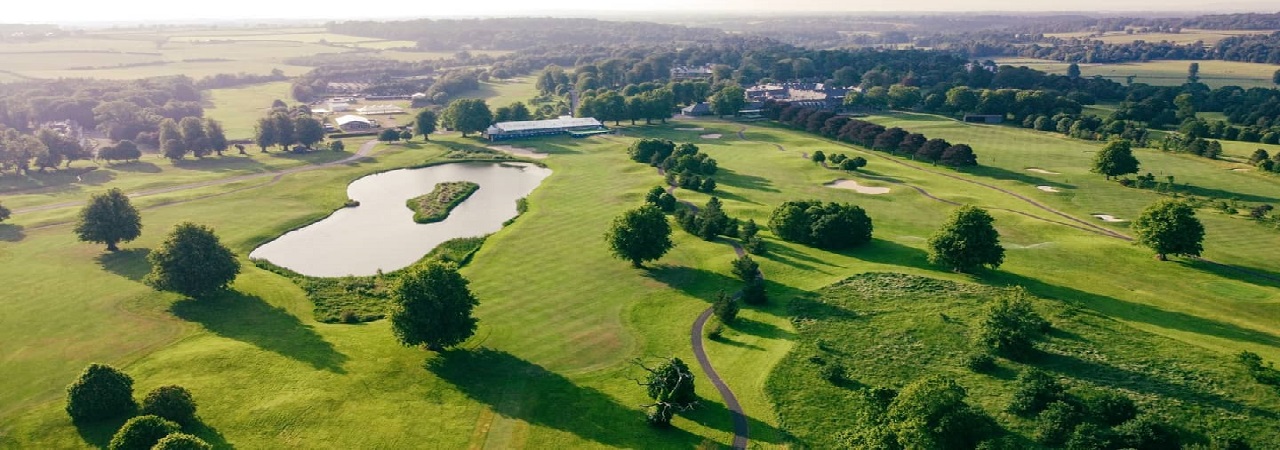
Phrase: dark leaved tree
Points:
(101, 392)
(1115, 159)
(172, 403)
(966, 241)
(142, 433)
(432, 307)
(425, 123)
(640, 235)
(109, 218)
(1170, 227)
(192, 261)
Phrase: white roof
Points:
(351, 118)
(563, 122)
(381, 109)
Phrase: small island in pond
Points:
(436, 205)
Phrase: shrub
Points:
(1056, 422)
(1090, 436)
(725, 308)
(980, 362)
(182, 441)
(754, 293)
(715, 329)
(101, 392)
(142, 433)
(348, 316)
(1146, 433)
(171, 402)
(1010, 327)
(754, 245)
(833, 372)
(1109, 408)
(1035, 391)
(823, 225)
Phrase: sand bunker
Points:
(854, 186)
(1109, 218)
(712, 136)
(1241, 170)
(517, 151)
(691, 129)
(1048, 188)
(1039, 170)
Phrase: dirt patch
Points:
(712, 136)
(1048, 188)
(1109, 218)
(1039, 170)
(854, 186)
(517, 151)
(1241, 170)
(691, 129)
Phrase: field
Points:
(1188, 36)
(128, 54)
(1163, 73)
(560, 318)
(240, 108)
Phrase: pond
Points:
(381, 233)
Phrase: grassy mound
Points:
(364, 299)
(436, 205)
(888, 330)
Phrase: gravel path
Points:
(364, 151)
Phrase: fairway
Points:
(1163, 73)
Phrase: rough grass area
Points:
(436, 205)
(888, 329)
(364, 299)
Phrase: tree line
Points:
(893, 140)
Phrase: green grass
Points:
(889, 329)
(240, 108)
(437, 204)
(559, 317)
(1163, 73)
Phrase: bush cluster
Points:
(874, 136)
(104, 392)
(823, 225)
(685, 166)
(707, 222)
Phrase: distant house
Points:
(353, 122)
(373, 110)
(576, 126)
(984, 118)
(812, 95)
(697, 109)
(681, 73)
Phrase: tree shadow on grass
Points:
(518, 389)
(1251, 275)
(1220, 194)
(726, 195)
(129, 263)
(11, 233)
(98, 433)
(726, 340)
(1135, 312)
(714, 415)
(1010, 175)
(247, 318)
(227, 163)
(1109, 375)
(135, 167)
(209, 434)
(729, 177)
(760, 329)
(887, 252)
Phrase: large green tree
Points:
(1275, 78)
(194, 139)
(931, 413)
(101, 392)
(425, 123)
(192, 261)
(217, 136)
(1115, 159)
(640, 235)
(1170, 227)
(824, 225)
(432, 306)
(142, 433)
(729, 100)
(4, 213)
(109, 218)
(181, 441)
(966, 241)
(671, 387)
(171, 143)
(467, 115)
(308, 130)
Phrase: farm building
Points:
(697, 109)
(679, 73)
(353, 122)
(530, 128)
(984, 118)
(380, 109)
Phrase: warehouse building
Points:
(576, 126)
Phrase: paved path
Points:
(741, 429)
(364, 152)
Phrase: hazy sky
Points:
(63, 11)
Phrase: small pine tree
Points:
(725, 307)
(745, 268)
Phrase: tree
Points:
(389, 135)
(1010, 327)
(746, 268)
(285, 133)
(1073, 70)
(818, 157)
(432, 306)
(191, 261)
(264, 134)
(729, 100)
(101, 392)
(338, 146)
(1193, 73)
(172, 403)
(725, 307)
(194, 139)
(966, 241)
(932, 413)
(109, 218)
(904, 97)
(640, 235)
(671, 386)
(216, 135)
(823, 225)
(854, 163)
(4, 213)
(406, 135)
(171, 144)
(959, 155)
(124, 150)
(181, 441)
(425, 123)
(1115, 159)
(308, 130)
(1275, 78)
(467, 115)
(1170, 227)
(962, 99)
(142, 433)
